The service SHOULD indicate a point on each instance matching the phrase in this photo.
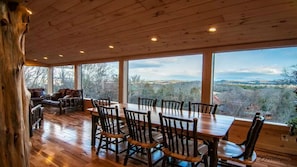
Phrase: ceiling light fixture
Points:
(82, 52)
(212, 29)
(111, 46)
(35, 59)
(154, 39)
(45, 58)
(60, 55)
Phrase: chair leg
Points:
(117, 150)
(107, 142)
(149, 157)
(99, 145)
(127, 154)
(164, 161)
(205, 159)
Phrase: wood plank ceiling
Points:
(68, 26)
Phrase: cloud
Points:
(261, 70)
(246, 75)
(144, 64)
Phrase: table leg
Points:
(93, 130)
(213, 153)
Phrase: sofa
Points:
(65, 99)
(37, 95)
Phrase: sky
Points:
(172, 68)
(266, 64)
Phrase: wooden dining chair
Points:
(172, 107)
(202, 107)
(180, 141)
(196, 107)
(144, 101)
(113, 132)
(100, 102)
(244, 152)
(93, 102)
(141, 139)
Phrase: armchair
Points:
(37, 95)
(35, 117)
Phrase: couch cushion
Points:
(67, 96)
(56, 96)
(76, 93)
(68, 92)
(51, 102)
(62, 91)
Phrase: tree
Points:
(35, 77)
(290, 74)
(99, 80)
(63, 77)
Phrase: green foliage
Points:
(292, 121)
(100, 80)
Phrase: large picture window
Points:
(63, 77)
(36, 77)
(246, 82)
(100, 80)
(171, 78)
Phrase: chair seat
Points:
(157, 136)
(123, 129)
(230, 151)
(202, 149)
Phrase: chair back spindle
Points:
(171, 105)
(149, 102)
(202, 107)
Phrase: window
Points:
(263, 81)
(63, 77)
(175, 78)
(36, 77)
(101, 80)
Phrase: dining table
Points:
(211, 127)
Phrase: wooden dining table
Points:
(211, 127)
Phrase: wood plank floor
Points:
(64, 141)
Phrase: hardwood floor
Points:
(64, 141)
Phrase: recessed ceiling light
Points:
(82, 52)
(111, 46)
(154, 39)
(35, 59)
(212, 29)
(61, 55)
(45, 58)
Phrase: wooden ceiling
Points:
(68, 26)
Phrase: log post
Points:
(14, 96)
